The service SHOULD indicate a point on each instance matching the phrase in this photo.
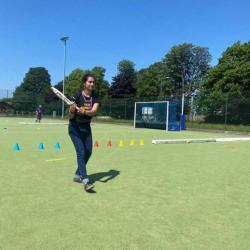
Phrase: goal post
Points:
(155, 115)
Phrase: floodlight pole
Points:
(161, 84)
(183, 126)
(64, 40)
(226, 89)
(161, 88)
(182, 103)
(183, 96)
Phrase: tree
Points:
(73, 83)
(187, 65)
(232, 72)
(101, 85)
(229, 81)
(32, 90)
(50, 95)
(123, 83)
(23, 100)
(152, 82)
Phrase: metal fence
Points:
(118, 108)
(223, 111)
(233, 111)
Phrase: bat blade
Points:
(61, 95)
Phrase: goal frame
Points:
(167, 111)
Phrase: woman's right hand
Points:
(73, 107)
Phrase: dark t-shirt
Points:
(86, 102)
(39, 111)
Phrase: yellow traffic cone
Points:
(141, 142)
(121, 143)
(132, 142)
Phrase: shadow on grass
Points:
(104, 176)
(91, 191)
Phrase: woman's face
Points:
(90, 83)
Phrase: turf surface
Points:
(182, 196)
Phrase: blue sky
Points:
(103, 32)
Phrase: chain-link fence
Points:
(226, 110)
(10, 107)
(118, 108)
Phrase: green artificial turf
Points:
(179, 196)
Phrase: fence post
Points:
(125, 109)
(192, 108)
(109, 107)
(226, 104)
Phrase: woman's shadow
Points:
(103, 176)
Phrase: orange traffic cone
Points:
(96, 144)
(109, 144)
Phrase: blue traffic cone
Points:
(16, 147)
(41, 146)
(57, 146)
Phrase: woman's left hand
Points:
(81, 110)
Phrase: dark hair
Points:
(86, 76)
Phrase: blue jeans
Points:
(81, 137)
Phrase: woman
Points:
(81, 111)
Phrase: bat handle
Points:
(72, 103)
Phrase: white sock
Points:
(85, 181)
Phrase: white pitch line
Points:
(43, 123)
(56, 159)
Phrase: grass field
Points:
(182, 196)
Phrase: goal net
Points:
(157, 115)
